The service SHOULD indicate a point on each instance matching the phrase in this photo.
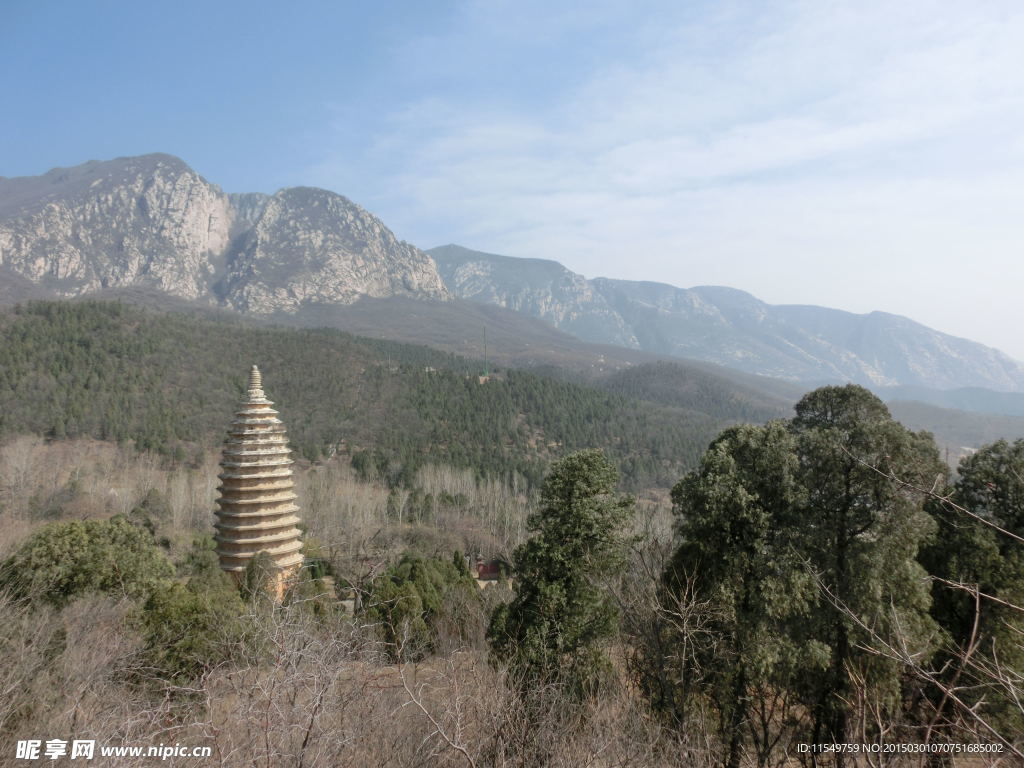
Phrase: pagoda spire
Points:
(257, 511)
(255, 384)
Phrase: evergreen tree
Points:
(62, 561)
(740, 534)
(190, 628)
(864, 532)
(115, 372)
(984, 628)
(560, 616)
(412, 597)
(805, 547)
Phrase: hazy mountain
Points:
(971, 399)
(152, 221)
(730, 327)
(957, 432)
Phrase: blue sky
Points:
(862, 155)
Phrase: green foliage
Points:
(151, 512)
(798, 539)
(201, 560)
(560, 616)
(968, 552)
(115, 372)
(190, 629)
(694, 390)
(396, 608)
(413, 598)
(195, 623)
(740, 531)
(864, 532)
(62, 561)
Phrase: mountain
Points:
(168, 382)
(144, 220)
(956, 431)
(151, 226)
(807, 344)
(311, 245)
(152, 221)
(513, 340)
(970, 399)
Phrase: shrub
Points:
(64, 560)
(413, 598)
(190, 629)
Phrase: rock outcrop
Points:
(152, 221)
(313, 246)
(148, 220)
(536, 287)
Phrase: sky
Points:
(862, 155)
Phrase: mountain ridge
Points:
(730, 327)
(152, 222)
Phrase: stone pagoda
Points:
(257, 501)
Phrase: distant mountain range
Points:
(152, 225)
(723, 325)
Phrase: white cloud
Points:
(861, 155)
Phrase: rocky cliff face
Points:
(730, 327)
(249, 206)
(313, 246)
(136, 221)
(153, 221)
(535, 287)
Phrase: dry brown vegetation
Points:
(42, 481)
(321, 691)
(322, 696)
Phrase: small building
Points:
(487, 572)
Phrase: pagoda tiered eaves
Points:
(256, 511)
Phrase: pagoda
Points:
(257, 499)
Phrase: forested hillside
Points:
(675, 385)
(169, 383)
(957, 432)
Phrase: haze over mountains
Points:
(729, 327)
(152, 222)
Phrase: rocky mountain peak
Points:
(537, 287)
(153, 221)
(313, 246)
(147, 220)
